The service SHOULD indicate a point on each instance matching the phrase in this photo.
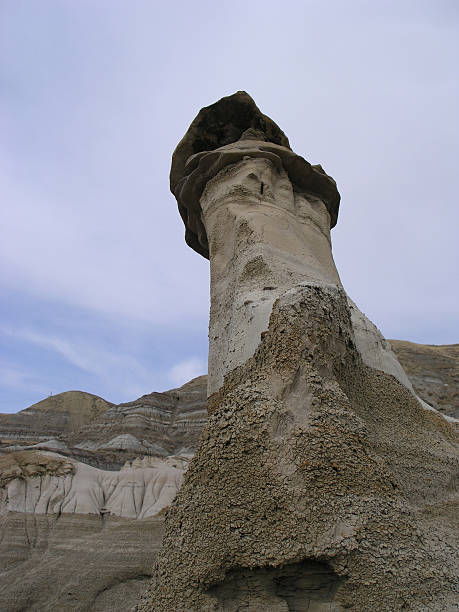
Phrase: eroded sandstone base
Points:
(309, 585)
(312, 459)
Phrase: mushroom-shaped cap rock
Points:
(232, 119)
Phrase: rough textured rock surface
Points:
(433, 372)
(321, 481)
(39, 553)
(330, 452)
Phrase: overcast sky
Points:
(99, 291)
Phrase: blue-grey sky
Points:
(98, 289)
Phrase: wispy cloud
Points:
(125, 375)
(19, 380)
(120, 371)
(86, 357)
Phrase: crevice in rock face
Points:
(298, 587)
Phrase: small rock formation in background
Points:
(321, 482)
(52, 417)
(105, 435)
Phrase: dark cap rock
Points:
(232, 119)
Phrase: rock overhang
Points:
(224, 133)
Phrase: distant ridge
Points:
(433, 371)
(53, 416)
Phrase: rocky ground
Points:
(84, 485)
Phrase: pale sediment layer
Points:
(75, 562)
(317, 477)
(265, 237)
(46, 483)
(76, 538)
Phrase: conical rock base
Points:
(319, 484)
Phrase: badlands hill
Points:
(84, 485)
(54, 416)
(433, 371)
(105, 435)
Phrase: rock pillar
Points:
(320, 483)
(264, 238)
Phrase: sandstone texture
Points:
(433, 372)
(322, 481)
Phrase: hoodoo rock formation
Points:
(322, 482)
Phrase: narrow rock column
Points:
(263, 215)
(315, 479)
(264, 238)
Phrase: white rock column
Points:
(264, 238)
(262, 215)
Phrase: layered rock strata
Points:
(76, 538)
(321, 481)
(433, 371)
(157, 424)
(52, 417)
